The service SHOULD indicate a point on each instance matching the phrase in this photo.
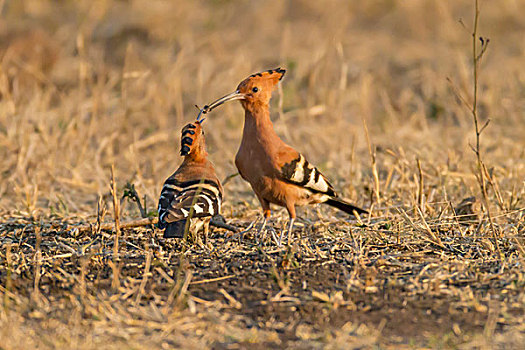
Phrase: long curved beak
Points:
(236, 95)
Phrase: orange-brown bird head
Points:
(253, 91)
(192, 143)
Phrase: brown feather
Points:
(193, 190)
(277, 173)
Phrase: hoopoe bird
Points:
(193, 191)
(277, 173)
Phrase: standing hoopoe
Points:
(193, 191)
(277, 173)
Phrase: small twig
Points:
(145, 222)
(372, 153)
(7, 292)
(116, 212)
(458, 94)
(123, 225)
(473, 108)
(484, 45)
(475, 61)
(429, 235)
(101, 213)
(165, 275)
(427, 228)
(484, 126)
(420, 197)
(233, 302)
(83, 267)
(70, 249)
(145, 276)
(212, 279)
(228, 178)
(494, 184)
(185, 285)
(180, 287)
(37, 261)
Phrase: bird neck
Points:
(197, 155)
(257, 122)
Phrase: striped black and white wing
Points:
(180, 200)
(301, 173)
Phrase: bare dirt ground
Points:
(87, 86)
(339, 285)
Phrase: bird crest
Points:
(191, 138)
(271, 73)
(262, 82)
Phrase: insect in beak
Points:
(200, 117)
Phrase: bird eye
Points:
(255, 89)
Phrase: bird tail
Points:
(345, 206)
(175, 229)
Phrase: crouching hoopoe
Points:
(193, 191)
(277, 173)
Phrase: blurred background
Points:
(87, 84)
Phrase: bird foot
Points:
(279, 241)
(273, 235)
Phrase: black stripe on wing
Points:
(300, 172)
(195, 198)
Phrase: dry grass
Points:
(85, 85)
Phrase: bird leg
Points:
(264, 229)
(274, 235)
(290, 229)
(290, 206)
(266, 215)
(261, 229)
